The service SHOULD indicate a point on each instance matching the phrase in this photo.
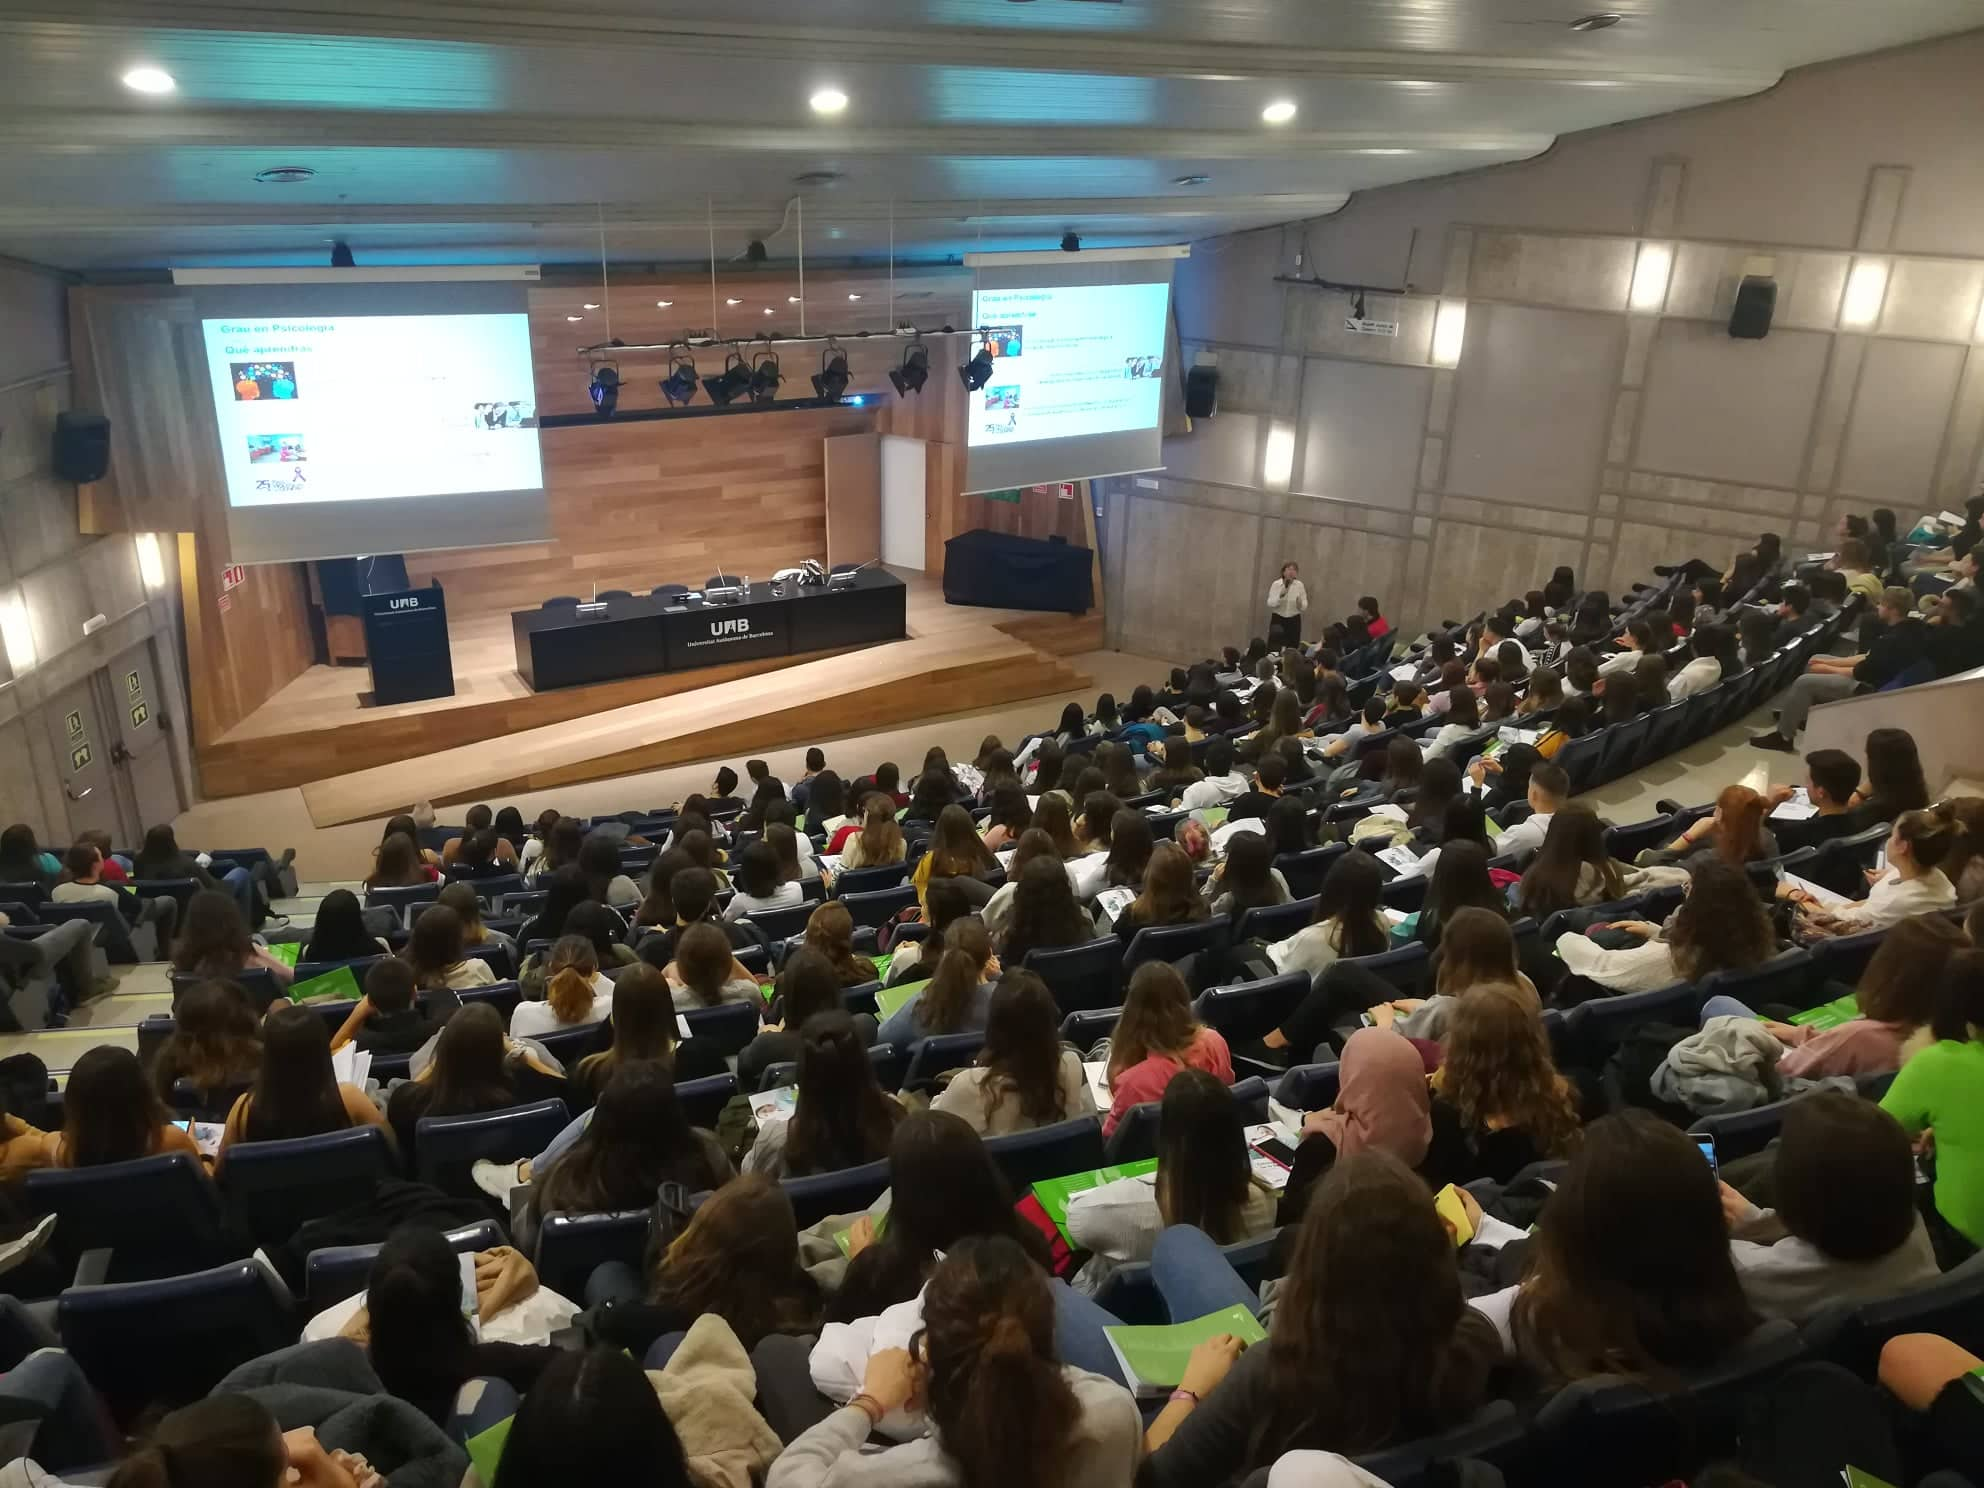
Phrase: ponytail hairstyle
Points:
(945, 1005)
(419, 1344)
(1003, 1410)
(224, 1441)
(569, 971)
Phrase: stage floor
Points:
(317, 728)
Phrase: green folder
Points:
(288, 952)
(881, 1223)
(1054, 1193)
(485, 1449)
(340, 985)
(1154, 1358)
(1829, 1014)
(889, 999)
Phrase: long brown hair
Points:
(1739, 825)
(398, 864)
(215, 1041)
(469, 1073)
(1373, 1342)
(1630, 1273)
(840, 1117)
(1055, 817)
(956, 849)
(569, 971)
(944, 1006)
(1170, 894)
(1575, 840)
(109, 1113)
(1476, 947)
(639, 1139)
(1002, 1407)
(1045, 913)
(1498, 1068)
(830, 931)
(213, 938)
(643, 1025)
(1899, 984)
(1203, 1174)
(436, 945)
(1721, 925)
(296, 1093)
(1130, 847)
(881, 838)
(1022, 1054)
(739, 1259)
(1157, 1018)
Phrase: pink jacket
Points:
(1145, 1081)
(1859, 1046)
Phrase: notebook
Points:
(1054, 1193)
(1829, 1014)
(890, 999)
(333, 986)
(289, 952)
(1153, 1359)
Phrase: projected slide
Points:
(368, 407)
(1069, 362)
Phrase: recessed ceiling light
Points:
(663, 304)
(285, 175)
(1417, 85)
(149, 80)
(575, 317)
(768, 309)
(828, 101)
(854, 297)
(1278, 112)
(1597, 21)
(792, 299)
(729, 301)
(1190, 180)
(590, 305)
(1384, 151)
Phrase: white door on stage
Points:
(903, 514)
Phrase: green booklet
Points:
(1054, 1193)
(485, 1449)
(1153, 1359)
(889, 999)
(289, 952)
(1829, 1014)
(337, 986)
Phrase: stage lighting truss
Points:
(832, 378)
(765, 374)
(679, 386)
(733, 382)
(914, 371)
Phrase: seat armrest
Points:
(93, 1267)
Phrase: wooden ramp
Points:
(855, 692)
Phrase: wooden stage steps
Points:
(959, 670)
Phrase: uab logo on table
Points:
(741, 625)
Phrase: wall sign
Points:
(140, 715)
(133, 684)
(75, 724)
(79, 757)
(233, 577)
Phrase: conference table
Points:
(573, 645)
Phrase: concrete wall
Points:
(1587, 419)
(52, 577)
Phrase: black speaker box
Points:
(1756, 302)
(1201, 391)
(82, 447)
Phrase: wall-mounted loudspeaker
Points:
(1201, 391)
(1756, 301)
(82, 447)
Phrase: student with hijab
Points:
(1382, 1103)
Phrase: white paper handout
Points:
(1403, 860)
(1820, 892)
(1112, 901)
(1388, 811)
(1798, 808)
(1225, 831)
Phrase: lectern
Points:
(406, 645)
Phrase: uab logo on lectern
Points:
(741, 625)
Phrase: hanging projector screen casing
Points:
(1002, 466)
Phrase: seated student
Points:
(1630, 1271)
(1270, 774)
(110, 1114)
(599, 861)
(1290, 828)
(437, 955)
(825, 805)
(806, 985)
(1963, 865)
(389, 1019)
(958, 994)
(479, 819)
(1573, 720)
(1459, 878)
(1902, 643)
(1023, 1078)
(1463, 721)
(296, 1094)
(82, 883)
(1372, 1262)
(1936, 1379)
(399, 864)
(737, 1259)
(816, 761)
(339, 932)
(1175, 770)
(1895, 783)
(1720, 926)
(1170, 896)
(1204, 1179)
(692, 896)
(644, 1029)
(1247, 878)
(1734, 833)
(1119, 770)
(916, 960)
(944, 1190)
(723, 791)
(1549, 789)
(1831, 778)
(1010, 815)
(1498, 1102)
(703, 973)
(830, 931)
(877, 841)
(215, 1046)
(1370, 720)
(22, 859)
(1156, 1037)
(1941, 1089)
(840, 1117)
(1347, 922)
(1478, 950)
(1896, 996)
(460, 897)
(576, 995)
(1845, 1227)
(1092, 828)
(957, 853)
(474, 1069)
(1055, 816)
(934, 790)
(1912, 883)
(1222, 783)
(1042, 912)
(1001, 1407)
(213, 941)
(1573, 868)
(1129, 846)
(564, 891)
(160, 857)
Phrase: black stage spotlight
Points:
(1070, 243)
(978, 371)
(765, 376)
(831, 380)
(679, 386)
(733, 382)
(605, 390)
(754, 251)
(915, 369)
(341, 255)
